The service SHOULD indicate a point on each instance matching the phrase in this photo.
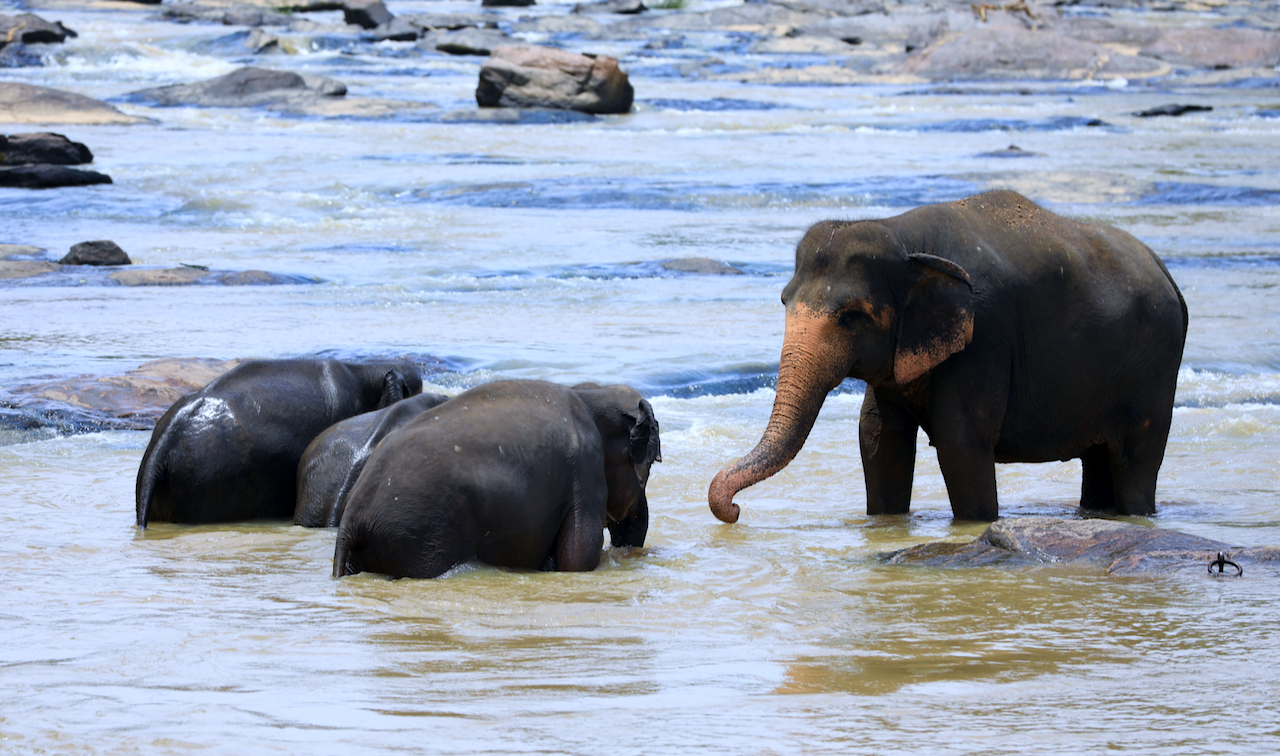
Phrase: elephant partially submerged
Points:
(1006, 332)
(332, 462)
(523, 474)
(230, 451)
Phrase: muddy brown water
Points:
(506, 251)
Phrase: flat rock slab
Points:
(245, 87)
(49, 273)
(24, 103)
(42, 176)
(139, 397)
(1012, 53)
(468, 41)
(1118, 548)
(16, 269)
(701, 266)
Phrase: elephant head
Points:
(863, 304)
(629, 430)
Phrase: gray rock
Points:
(584, 26)
(43, 176)
(398, 29)
(1012, 151)
(625, 7)
(451, 21)
(1011, 53)
(16, 269)
(465, 41)
(1118, 548)
(28, 28)
(236, 15)
(765, 17)
(1217, 48)
(42, 147)
(544, 77)
(24, 103)
(368, 14)
(700, 265)
(18, 252)
(245, 87)
(102, 252)
(188, 275)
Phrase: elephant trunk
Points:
(814, 361)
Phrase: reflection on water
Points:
(781, 634)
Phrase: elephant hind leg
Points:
(1098, 490)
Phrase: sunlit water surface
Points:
(507, 251)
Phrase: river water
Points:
(530, 252)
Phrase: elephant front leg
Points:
(968, 465)
(631, 530)
(887, 440)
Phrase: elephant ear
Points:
(937, 320)
(645, 446)
(394, 387)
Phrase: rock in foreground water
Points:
(101, 252)
(28, 28)
(43, 147)
(544, 77)
(1118, 548)
(43, 176)
(24, 103)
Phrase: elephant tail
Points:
(342, 554)
(152, 473)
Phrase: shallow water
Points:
(529, 251)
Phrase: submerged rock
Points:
(134, 400)
(1012, 151)
(24, 103)
(43, 176)
(701, 265)
(1118, 548)
(246, 87)
(102, 252)
(544, 77)
(28, 28)
(42, 147)
(1172, 110)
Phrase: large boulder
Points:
(24, 103)
(28, 28)
(1217, 48)
(245, 87)
(42, 147)
(1118, 548)
(101, 252)
(367, 14)
(544, 77)
(43, 176)
(1015, 53)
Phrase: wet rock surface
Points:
(43, 147)
(132, 401)
(25, 103)
(1117, 548)
(701, 265)
(43, 176)
(543, 77)
(466, 41)
(28, 28)
(246, 87)
(102, 252)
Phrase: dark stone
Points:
(625, 7)
(101, 252)
(701, 265)
(368, 14)
(245, 87)
(1012, 151)
(466, 41)
(28, 28)
(544, 77)
(43, 176)
(42, 147)
(1118, 548)
(1172, 109)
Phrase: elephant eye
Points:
(852, 318)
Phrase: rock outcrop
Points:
(1012, 53)
(28, 28)
(43, 176)
(367, 14)
(42, 147)
(24, 103)
(1117, 548)
(101, 252)
(544, 77)
(245, 88)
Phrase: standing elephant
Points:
(230, 451)
(522, 474)
(333, 460)
(1006, 332)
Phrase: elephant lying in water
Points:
(522, 474)
(230, 451)
(333, 460)
(1006, 332)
